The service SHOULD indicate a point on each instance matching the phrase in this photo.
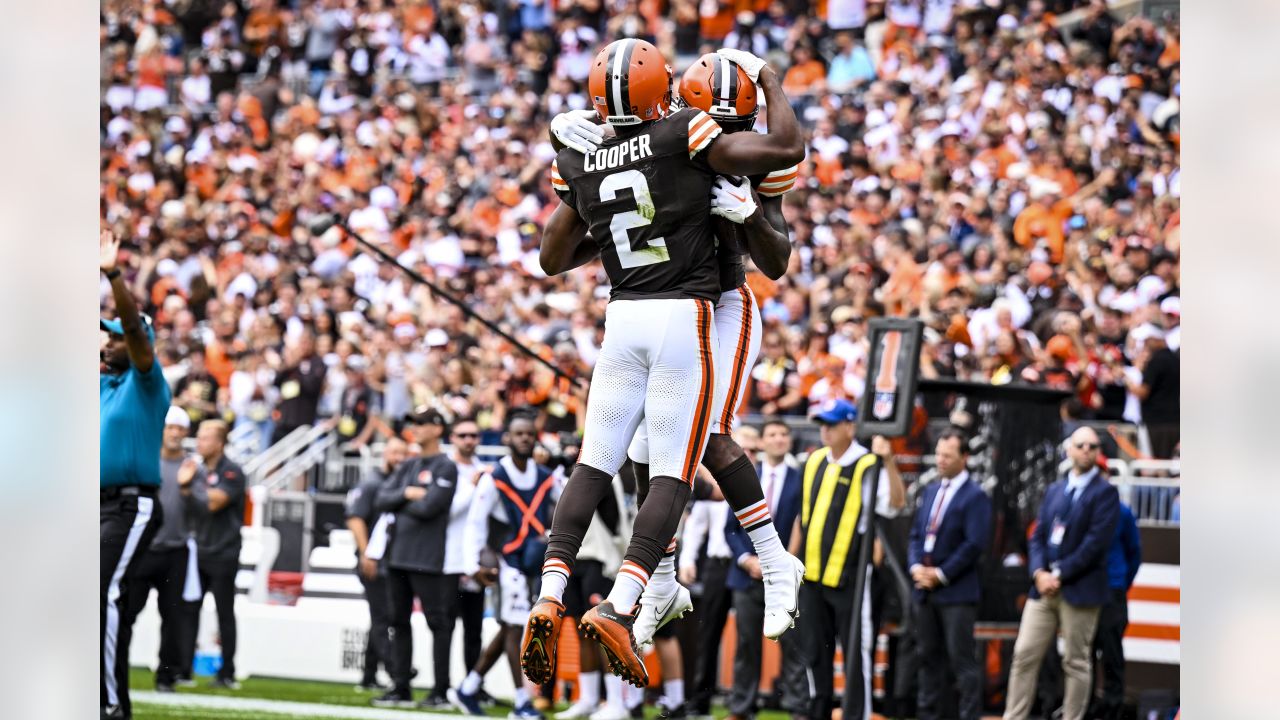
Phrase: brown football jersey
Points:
(732, 239)
(646, 199)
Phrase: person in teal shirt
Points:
(851, 67)
(133, 401)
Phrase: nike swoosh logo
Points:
(739, 198)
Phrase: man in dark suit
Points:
(782, 486)
(1074, 529)
(951, 531)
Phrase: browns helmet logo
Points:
(630, 82)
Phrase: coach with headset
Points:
(133, 399)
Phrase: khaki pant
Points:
(1040, 622)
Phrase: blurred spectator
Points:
(1159, 393)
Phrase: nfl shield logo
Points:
(883, 406)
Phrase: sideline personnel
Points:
(218, 503)
(167, 563)
(419, 494)
(1074, 530)
(950, 534)
(361, 519)
(833, 527)
(133, 398)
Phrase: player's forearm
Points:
(562, 241)
(767, 242)
(784, 128)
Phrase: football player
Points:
(719, 85)
(642, 195)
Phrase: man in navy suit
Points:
(951, 532)
(782, 486)
(1074, 530)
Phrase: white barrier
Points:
(320, 640)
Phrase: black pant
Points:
(127, 524)
(378, 645)
(826, 616)
(218, 576)
(1109, 643)
(470, 609)
(748, 607)
(712, 612)
(945, 637)
(166, 571)
(437, 593)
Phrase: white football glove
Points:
(578, 129)
(745, 60)
(731, 201)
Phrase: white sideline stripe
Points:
(281, 707)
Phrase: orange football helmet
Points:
(721, 89)
(630, 82)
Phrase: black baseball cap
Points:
(425, 415)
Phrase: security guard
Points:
(832, 530)
(133, 398)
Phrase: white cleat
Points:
(577, 711)
(659, 607)
(782, 596)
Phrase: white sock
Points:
(555, 577)
(589, 688)
(522, 696)
(628, 587)
(768, 545)
(613, 692)
(675, 692)
(471, 683)
(665, 572)
(633, 697)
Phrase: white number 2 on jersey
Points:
(655, 250)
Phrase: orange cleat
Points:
(612, 630)
(538, 650)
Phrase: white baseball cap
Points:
(177, 416)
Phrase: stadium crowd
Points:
(1014, 184)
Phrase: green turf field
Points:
(290, 690)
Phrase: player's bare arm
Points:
(769, 238)
(753, 153)
(565, 244)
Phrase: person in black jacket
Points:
(419, 495)
(300, 380)
(218, 504)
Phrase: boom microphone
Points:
(321, 224)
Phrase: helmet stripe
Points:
(619, 66)
(731, 86)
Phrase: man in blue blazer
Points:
(951, 532)
(782, 485)
(1074, 530)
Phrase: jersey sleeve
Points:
(779, 182)
(702, 130)
(558, 183)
